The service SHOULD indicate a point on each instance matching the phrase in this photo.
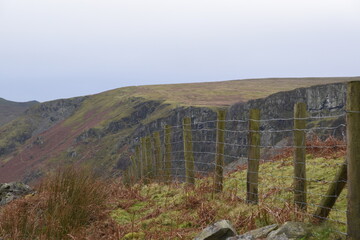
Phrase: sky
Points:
(51, 49)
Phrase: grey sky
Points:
(53, 49)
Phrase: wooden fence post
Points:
(143, 158)
(252, 183)
(328, 201)
(300, 156)
(188, 152)
(157, 154)
(220, 139)
(167, 155)
(138, 162)
(149, 158)
(133, 169)
(353, 158)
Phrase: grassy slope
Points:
(10, 110)
(173, 212)
(225, 93)
(97, 111)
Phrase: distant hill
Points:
(98, 130)
(10, 110)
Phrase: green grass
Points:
(74, 203)
(178, 212)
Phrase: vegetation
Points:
(65, 203)
(73, 204)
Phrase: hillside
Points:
(97, 130)
(10, 110)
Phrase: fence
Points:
(298, 160)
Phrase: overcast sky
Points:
(52, 49)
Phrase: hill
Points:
(97, 130)
(10, 110)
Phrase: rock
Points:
(13, 190)
(281, 237)
(290, 230)
(218, 231)
(255, 234)
(263, 232)
(242, 237)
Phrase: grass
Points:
(177, 212)
(65, 203)
(74, 204)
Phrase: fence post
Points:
(138, 162)
(143, 158)
(149, 158)
(328, 201)
(220, 139)
(167, 156)
(157, 154)
(353, 158)
(133, 169)
(300, 156)
(188, 152)
(253, 157)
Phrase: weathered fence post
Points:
(143, 158)
(149, 158)
(300, 156)
(188, 152)
(353, 158)
(125, 177)
(220, 139)
(157, 154)
(252, 183)
(328, 201)
(133, 169)
(138, 162)
(167, 155)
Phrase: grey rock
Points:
(290, 230)
(242, 237)
(281, 237)
(218, 231)
(13, 190)
(256, 234)
(263, 232)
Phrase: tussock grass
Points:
(65, 202)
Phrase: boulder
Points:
(242, 237)
(218, 231)
(281, 237)
(290, 230)
(263, 232)
(13, 190)
(256, 234)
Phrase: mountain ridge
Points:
(9, 110)
(96, 130)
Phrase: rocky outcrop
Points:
(50, 113)
(36, 120)
(288, 231)
(321, 100)
(13, 190)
